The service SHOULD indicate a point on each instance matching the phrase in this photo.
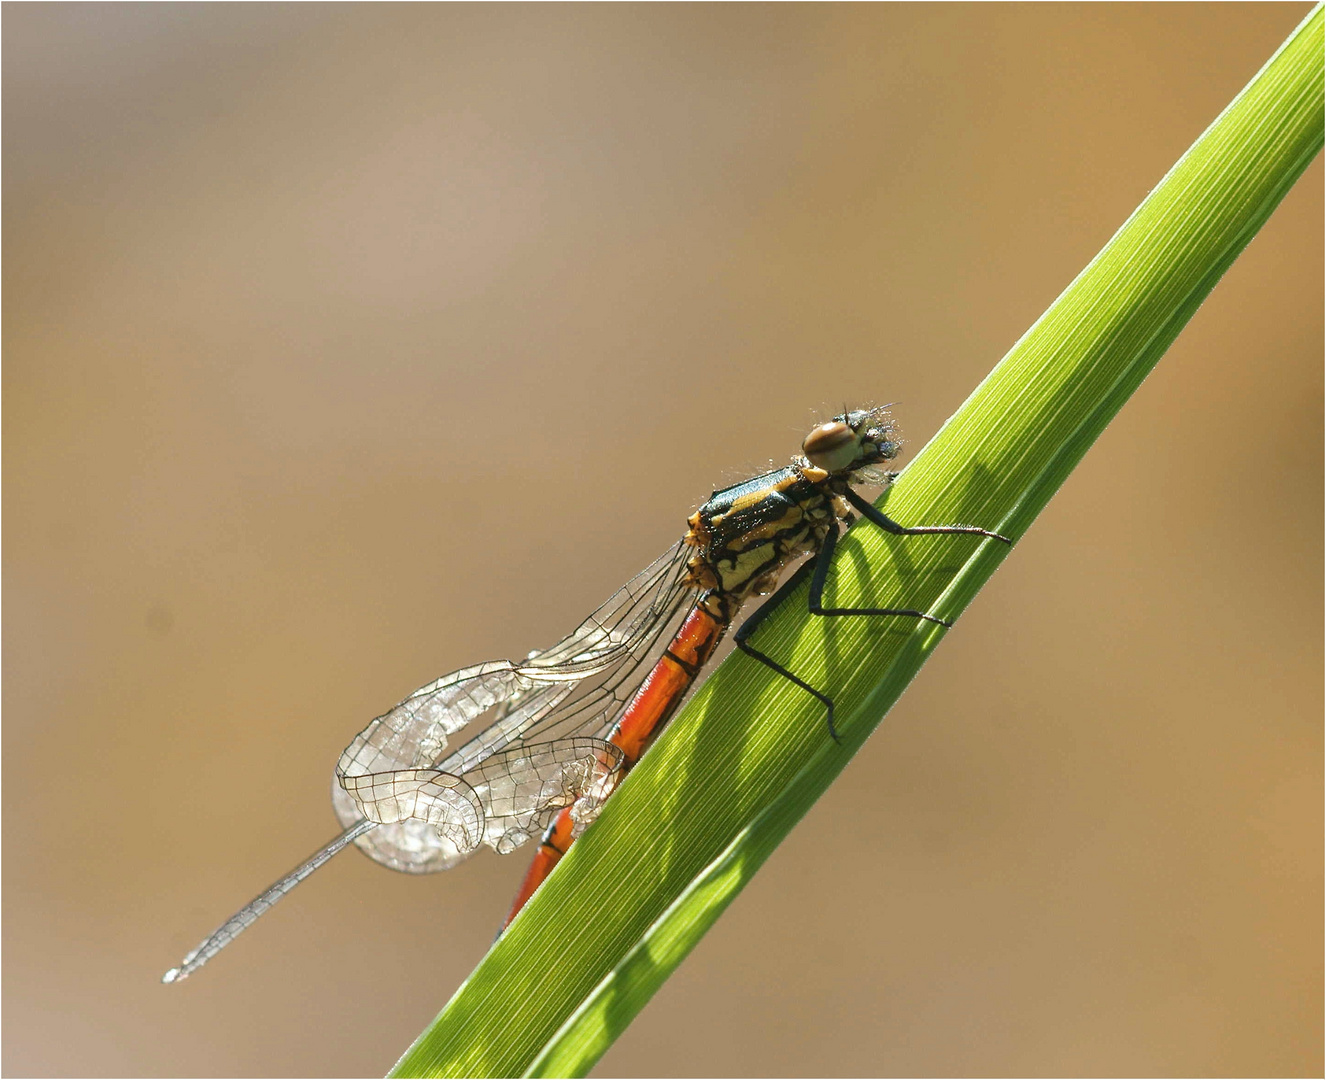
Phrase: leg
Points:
(822, 561)
(820, 567)
(747, 628)
(889, 525)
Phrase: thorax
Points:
(746, 534)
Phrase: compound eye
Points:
(832, 446)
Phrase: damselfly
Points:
(568, 723)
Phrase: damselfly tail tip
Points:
(187, 967)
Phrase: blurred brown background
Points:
(348, 345)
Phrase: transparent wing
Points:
(502, 801)
(412, 807)
(413, 844)
(575, 688)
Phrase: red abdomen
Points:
(642, 719)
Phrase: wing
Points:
(434, 809)
(503, 801)
(411, 808)
(430, 820)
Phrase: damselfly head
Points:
(851, 441)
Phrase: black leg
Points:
(889, 525)
(761, 613)
(819, 566)
(822, 561)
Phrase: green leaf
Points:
(749, 755)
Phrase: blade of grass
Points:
(748, 756)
